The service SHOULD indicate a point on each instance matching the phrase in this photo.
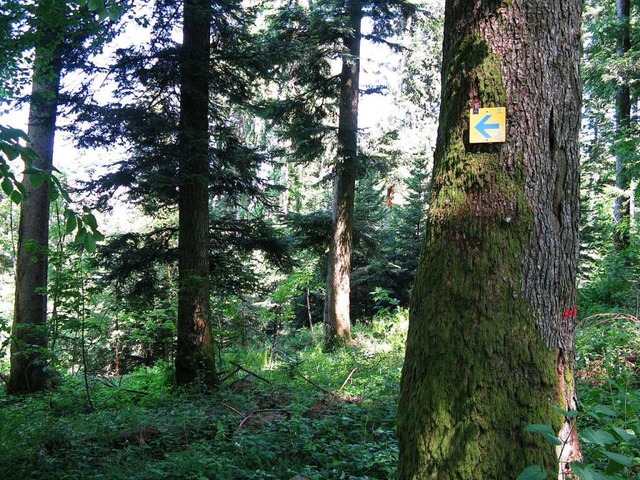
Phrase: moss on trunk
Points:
(487, 352)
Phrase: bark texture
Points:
(490, 347)
(337, 321)
(195, 359)
(29, 355)
(621, 209)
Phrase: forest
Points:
(319, 239)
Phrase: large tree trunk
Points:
(490, 347)
(622, 148)
(337, 322)
(195, 360)
(29, 355)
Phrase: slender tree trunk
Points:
(490, 347)
(621, 209)
(337, 322)
(195, 359)
(29, 355)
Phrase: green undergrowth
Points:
(305, 414)
(608, 362)
(301, 413)
(608, 421)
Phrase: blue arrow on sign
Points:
(482, 126)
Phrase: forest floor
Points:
(285, 410)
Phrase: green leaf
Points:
(613, 468)
(10, 151)
(626, 435)
(98, 235)
(81, 236)
(90, 220)
(13, 134)
(71, 224)
(21, 188)
(28, 155)
(565, 413)
(90, 243)
(604, 410)
(55, 184)
(16, 197)
(53, 194)
(585, 472)
(7, 186)
(534, 472)
(619, 458)
(546, 431)
(96, 5)
(36, 179)
(115, 13)
(599, 437)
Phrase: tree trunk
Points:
(337, 322)
(195, 359)
(29, 355)
(490, 347)
(621, 209)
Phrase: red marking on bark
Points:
(570, 312)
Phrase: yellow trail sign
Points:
(487, 125)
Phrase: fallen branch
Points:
(344, 398)
(229, 375)
(258, 412)
(240, 367)
(111, 384)
(600, 318)
(347, 379)
(234, 410)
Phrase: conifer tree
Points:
(622, 148)
(337, 322)
(611, 145)
(195, 357)
(490, 347)
(330, 28)
(163, 143)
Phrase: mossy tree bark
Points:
(29, 336)
(621, 209)
(490, 347)
(337, 321)
(195, 358)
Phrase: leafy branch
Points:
(14, 145)
(616, 463)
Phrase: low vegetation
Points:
(286, 409)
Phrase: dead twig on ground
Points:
(260, 412)
(347, 379)
(234, 410)
(111, 384)
(229, 375)
(344, 398)
(600, 318)
(240, 367)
